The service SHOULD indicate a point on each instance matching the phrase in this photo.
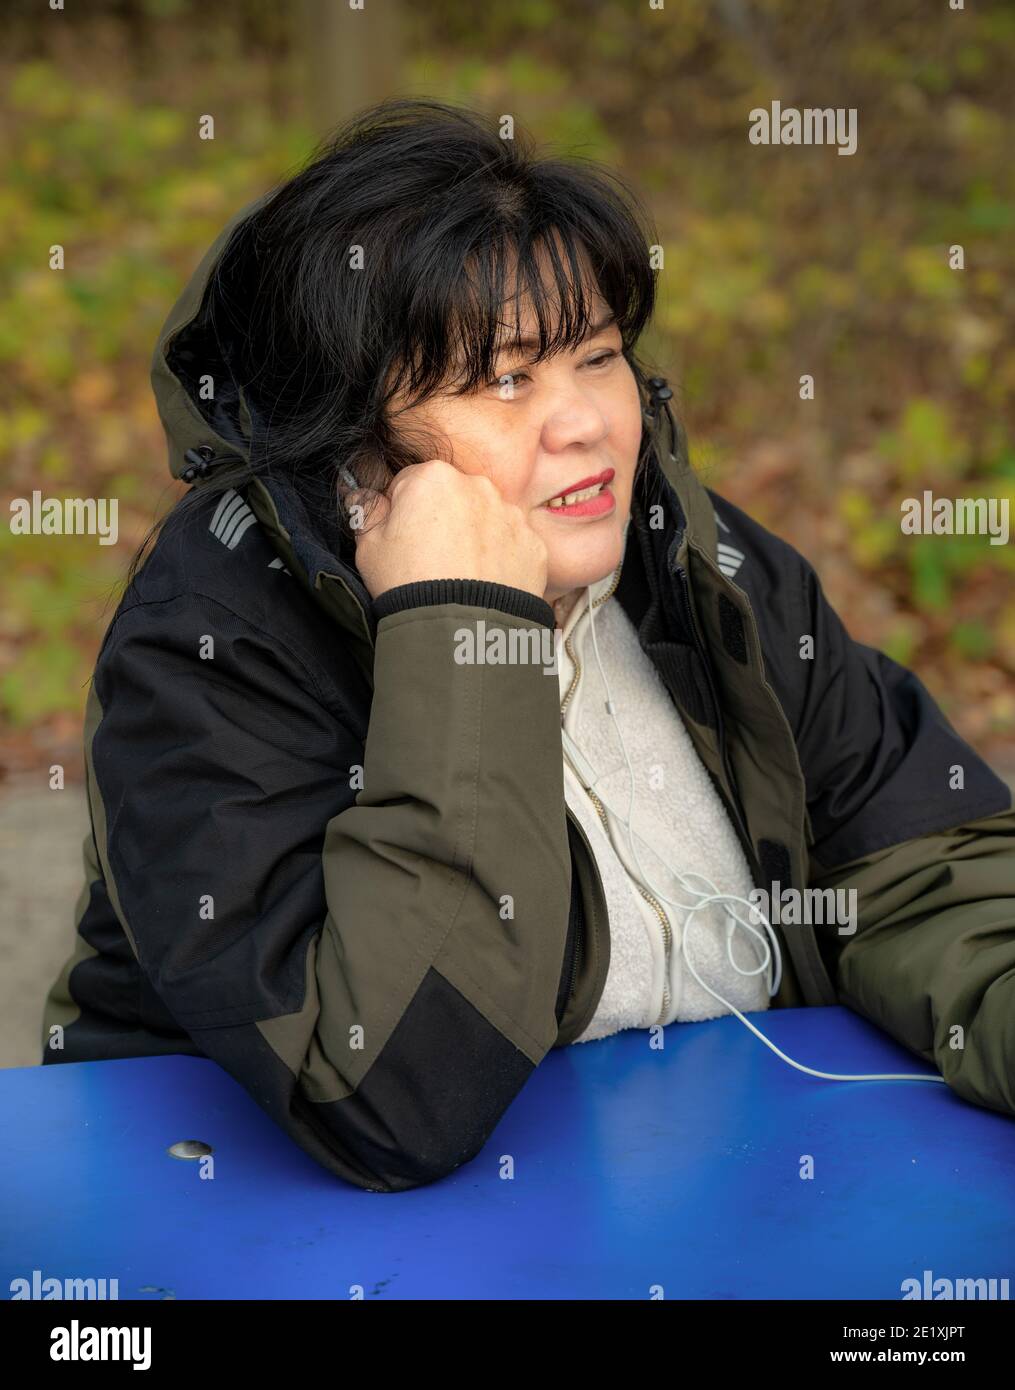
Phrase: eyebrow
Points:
(595, 329)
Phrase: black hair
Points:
(385, 265)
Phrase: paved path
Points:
(41, 832)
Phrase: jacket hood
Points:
(190, 356)
(188, 350)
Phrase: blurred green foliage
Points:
(778, 262)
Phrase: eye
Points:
(509, 378)
(513, 378)
(602, 359)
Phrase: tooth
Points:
(570, 498)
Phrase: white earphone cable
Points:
(715, 896)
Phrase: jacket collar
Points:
(669, 511)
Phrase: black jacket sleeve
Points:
(370, 940)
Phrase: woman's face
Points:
(540, 429)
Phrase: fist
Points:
(435, 522)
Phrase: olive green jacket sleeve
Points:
(932, 961)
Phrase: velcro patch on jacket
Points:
(232, 519)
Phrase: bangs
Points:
(458, 316)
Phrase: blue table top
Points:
(637, 1173)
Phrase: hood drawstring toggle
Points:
(660, 394)
(202, 460)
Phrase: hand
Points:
(435, 522)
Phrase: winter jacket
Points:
(339, 862)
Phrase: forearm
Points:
(933, 958)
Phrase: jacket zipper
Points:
(579, 928)
(652, 901)
(570, 650)
(575, 930)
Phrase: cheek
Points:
(627, 427)
(504, 459)
(625, 405)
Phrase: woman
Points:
(335, 845)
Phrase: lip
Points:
(601, 505)
(605, 477)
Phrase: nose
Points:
(572, 417)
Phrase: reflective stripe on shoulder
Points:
(231, 520)
(729, 558)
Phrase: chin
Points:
(586, 562)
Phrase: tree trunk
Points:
(351, 57)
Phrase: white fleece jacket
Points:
(680, 823)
